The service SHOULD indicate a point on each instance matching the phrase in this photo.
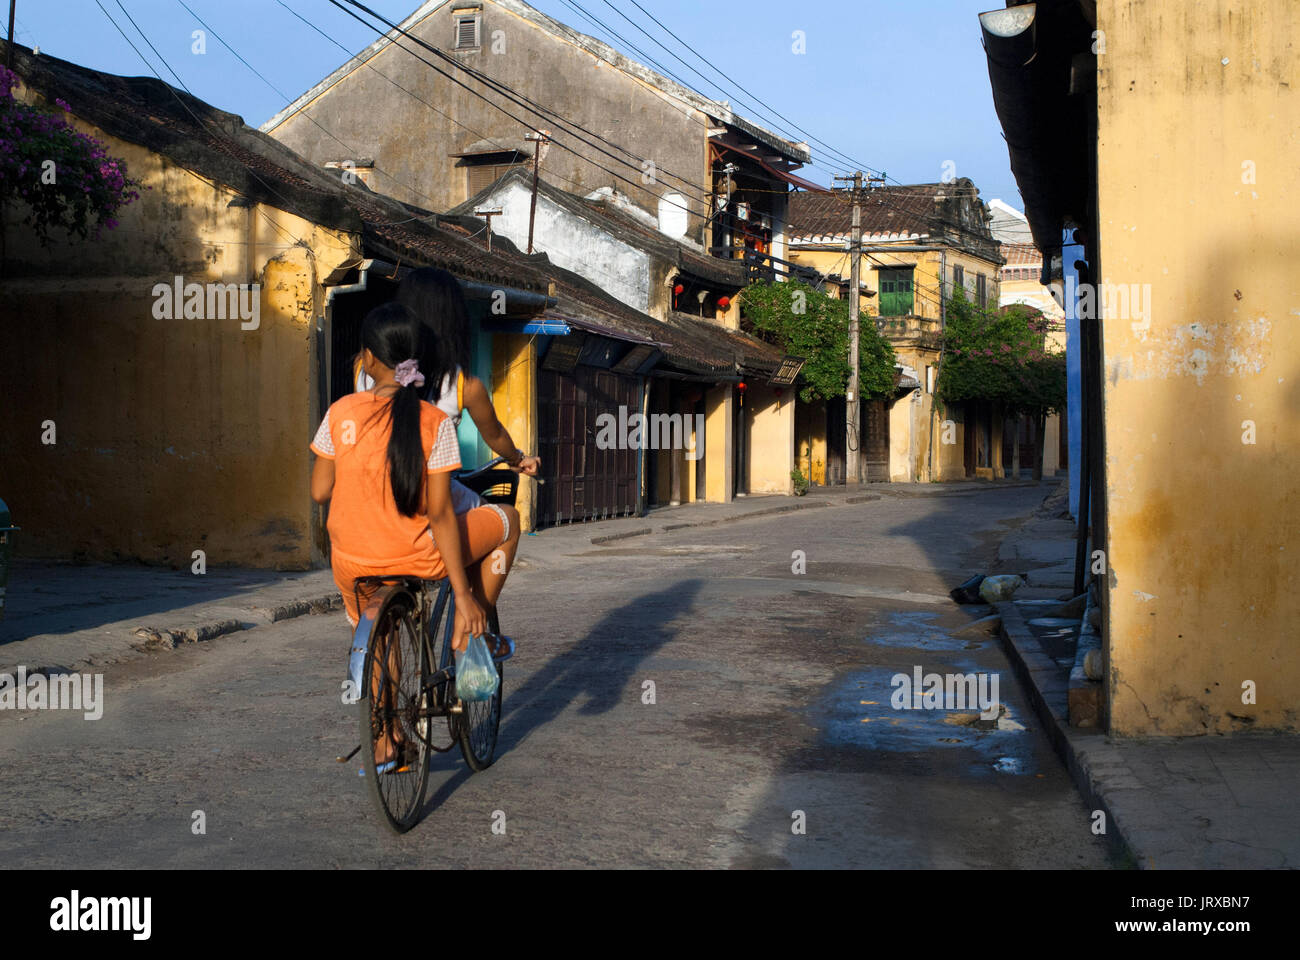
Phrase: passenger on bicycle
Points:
(435, 298)
(384, 460)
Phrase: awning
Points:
(797, 182)
(567, 319)
(543, 326)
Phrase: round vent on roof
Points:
(672, 215)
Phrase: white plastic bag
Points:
(998, 588)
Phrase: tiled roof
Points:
(622, 225)
(948, 212)
(219, 146)
(1021, 255)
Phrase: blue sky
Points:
(896, 85)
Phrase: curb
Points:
(610, 538)
(155, 638)
(299, 608)
(1043, 683)
(766, 512)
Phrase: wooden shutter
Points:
(466, 32)
(895, 293)
(480, 176)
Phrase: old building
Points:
(448, 100)
(160, 396)
(619, 248)
(1186, 300)
(918, 241)
(1021, 282)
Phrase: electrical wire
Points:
(510, 95)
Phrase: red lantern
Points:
(724, 302)
(778, 391)
(742, 387)
(679, 290)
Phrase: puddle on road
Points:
(917, 629)
(857, 711)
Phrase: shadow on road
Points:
(600, 666)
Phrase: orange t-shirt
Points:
(364, 523)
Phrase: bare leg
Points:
(487, 577)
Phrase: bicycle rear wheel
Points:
(477, 722)
(392, 681)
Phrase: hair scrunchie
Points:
(408, 374)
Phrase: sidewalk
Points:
(1212, 802)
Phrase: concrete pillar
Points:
(719, 441)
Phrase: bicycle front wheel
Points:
(393, 678)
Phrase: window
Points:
(467, 30)
(895, 292)
(484, 169)
(929, 379)
(981, 289)
(958, 277)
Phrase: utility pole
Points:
(488, 215)
(852, 427)
(539, 139)
(9, 47)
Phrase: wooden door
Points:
(584, 482)
(875, 440)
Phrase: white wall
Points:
(573, 243)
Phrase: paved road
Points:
(771, 696)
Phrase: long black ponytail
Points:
(392, 334)
(436, 299)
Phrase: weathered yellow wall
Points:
(718, 482)
(1203, 527)
(949, 458)
(172, 435)
(904, 422)
(514, 396)
(770, 421)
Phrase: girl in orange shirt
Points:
(384, 460)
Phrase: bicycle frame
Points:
(431, 599)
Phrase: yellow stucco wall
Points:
(949, 458)
(718, 482)
(514, 397)
(172, 435)
(1196, 101)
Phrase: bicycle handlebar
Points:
(469, 475)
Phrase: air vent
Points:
(467, 32)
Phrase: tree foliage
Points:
(65, 179)
(1000, 356)
(806, 323)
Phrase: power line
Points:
(618, 37)
(415, 96)
(176, 96)
(509, 94)
(770, 110)
(289, 99)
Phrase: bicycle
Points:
(402, 695)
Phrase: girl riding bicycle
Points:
(384, 460)
(434, 296)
